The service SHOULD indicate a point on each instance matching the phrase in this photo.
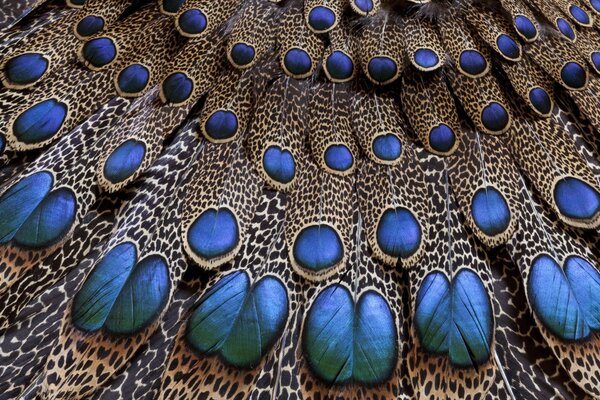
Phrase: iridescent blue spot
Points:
(455, 318)
(565, 28)
(525, 27)
(99, 52)
(426, 58)
(442, 138)
(321, 18)
(279, 164)
(508, 47)
(540, 99)
(133, 79)
(221, 125)
(579, 14)
(239, 322)
(339, 65)
(576, 199)
(573, 75)
(494, 117)
(40, 122)
(318, 247)
(595, 5)
(19, 202)
(338, 157)
(364, 5)
(242, 54)
(77, 2)
(192, 22)
(382, 69)
(177, 88)
(26, 68)
(566, 301)
(297, 62)
(90, 25)
(387, 147)
(172, 6)
(596, 60)
(346, 343)
(490, 211)
(124, 161)
(398, 233)
(2, 143)
(214, 233)
(472, 62)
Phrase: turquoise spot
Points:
(540, 99)
(221, 125)
(382, 69)
(90, 25)
(494, 117)
(133, 79)
(242, 54)
(490, 211)
(172, 6)
(192, 22)
(40, 122)
(318, 247)
(124, 161)
(364, 5)
(525, 27)
(339, 65)
(387, 147)
(472, 62)
(99, 52)
(398, 233)
(279, 164)
(214, 233)
(565, 28)
(455, 318)
(297, 62)
(344, 343)
(508, 47)
(239, 322)
(177, 88)
(580, 16)
(566, 302)
(321, 18)
(442, 138)
(576, 199)
(573, 75)
(426, 58)
(20, 201)
(26, 68)
(338, 157)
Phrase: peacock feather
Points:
(299, 199)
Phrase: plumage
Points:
(299, 199)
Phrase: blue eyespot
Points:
(133, 79)
(99, 52)
(472, 62)
(26, 68)
(525, 27)
(339, 65)
(297, 62)
(90, 25)
(382, 69)
(242, 54)
(192, 22)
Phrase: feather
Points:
(523, 20)
(341, 56)
(381, 51)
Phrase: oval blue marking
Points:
(398, 233)
(172, 6)
(426, 58)
(573, 75)
(40, 122)
(321, 18)
(579, 14)
(382, 69)
(19, 202)
(192, 22)
(133, 79)
(595, 5)
(77, 2)
(596, 60)
(99, 52)
(279, 164)
(26, 68)
(442, 138)
(124, 161)
(525, 27)
(318, 247)
(338, 157)
(50, 221)
(472, 62)
(339, 65)
(364, 5)
(297, 61)
(540, 99)
(177, 88)
(565, 28)
(221, 125)
(576, 199)
(214, 233)
(242, 54)
(494, 117)
(490, 211)
(387, 147)
(90, 25)
(508, 47)
(2, 143)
